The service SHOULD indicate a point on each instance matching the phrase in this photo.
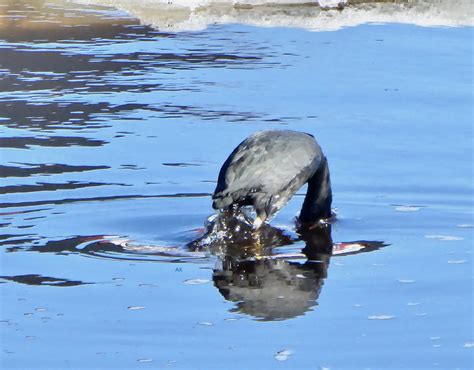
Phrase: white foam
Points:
(321, 15)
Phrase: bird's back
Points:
(268, 166)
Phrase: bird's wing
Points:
(260, 165)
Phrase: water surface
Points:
(113, 134)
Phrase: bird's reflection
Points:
(262, 282)
(274, 288)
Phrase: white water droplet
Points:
(444, 237)
(195, 281)
(206, 323)
(407, 208)
(456, 262)
(145, 360)
(381, 317)
(465, 226)
(136, 308)
(406, 281)
(283, 355)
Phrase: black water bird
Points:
(267, 168)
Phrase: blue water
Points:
(112, 137)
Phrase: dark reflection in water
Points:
(48, 116)
(265, 283)
(95, 199)
(30, 169)
(276, 289)
(103, 246)
(34, 279)
(180, 164)
(81, 244)
(70, 185)
(53, 141)
(271, 289)
(16, 239)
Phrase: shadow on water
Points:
(270, 274)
